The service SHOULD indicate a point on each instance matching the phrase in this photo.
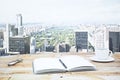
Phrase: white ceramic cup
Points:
(102, 53)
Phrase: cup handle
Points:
(110, 52)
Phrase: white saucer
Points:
(94, 58)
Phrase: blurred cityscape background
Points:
(35, 26)
(35, 37)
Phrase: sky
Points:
(61, 11)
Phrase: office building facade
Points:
(81, 40)
(114, 41)
(19, 44)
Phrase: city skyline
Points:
(61, 11)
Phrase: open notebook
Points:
(62, 64)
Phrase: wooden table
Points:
(23, 70)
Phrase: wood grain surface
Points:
(24, 71)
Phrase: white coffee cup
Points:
(102, 53)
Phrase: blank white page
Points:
(47, 65)
(74, 61)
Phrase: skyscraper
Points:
(19, 24)
(6, 37)
(19, 20)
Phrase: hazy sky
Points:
(61, 11)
